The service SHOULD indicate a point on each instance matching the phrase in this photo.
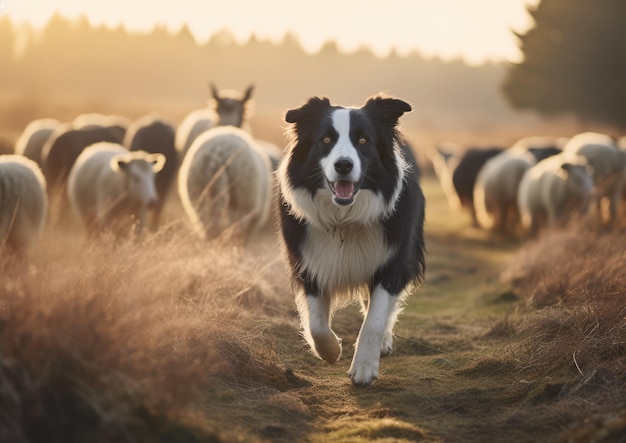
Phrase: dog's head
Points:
(346, 150)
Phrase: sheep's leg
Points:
(472, 210)
(155, 216)
(500, 219)
(534, 225)
(615, 199)
(599, 210)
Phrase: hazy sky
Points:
(476, 30)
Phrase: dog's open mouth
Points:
(344, 191)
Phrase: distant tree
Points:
(574, 61)
(7, 49)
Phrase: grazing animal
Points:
(116, 123)
(23, 202)
(154, 134)
(224, 182)
(227, 108)
(495, 191)
(609, 168)
(351, 223)
(231, 107)
(540, 146)
(34, 136)
(65, 145)
(111, 187)
(457, 174)
(274, 152)
(553, 189)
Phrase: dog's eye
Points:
(362, 140)
(326, 140)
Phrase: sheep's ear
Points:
(248, 94)
(119, 163)
(158, 161)
(387, 109)
(566, 166)
(309, 111)
(214, 92)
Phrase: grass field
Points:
(171, 339)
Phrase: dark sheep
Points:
(65, 145)
(154, 134)
(226, 108)
(464, 176)
(541, 147)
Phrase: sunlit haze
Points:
(477, 31)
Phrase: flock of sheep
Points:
(114, 173)
(537, 182)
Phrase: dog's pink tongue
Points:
(344, 189)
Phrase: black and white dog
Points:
(352, 217)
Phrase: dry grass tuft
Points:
(569, 266)
(110, 340)
(575, 286)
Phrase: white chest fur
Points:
(345, 257)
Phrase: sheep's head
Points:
(579, 176)
(232, 107)
(139, 169)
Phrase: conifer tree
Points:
(574, 61)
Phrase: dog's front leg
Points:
(364, 368)
(315, 315)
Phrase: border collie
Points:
(351, 219)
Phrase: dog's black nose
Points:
(343, 166)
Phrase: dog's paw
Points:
(364, 374)
(328, 347)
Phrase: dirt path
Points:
(449, 378)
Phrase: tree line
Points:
(76, 58)
(574, 62)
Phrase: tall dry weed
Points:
(99, 337)
(575, 288)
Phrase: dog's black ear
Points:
(387, 109)
(310, 110)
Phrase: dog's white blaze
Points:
(382, 306)
(344, 258)
(343, 149)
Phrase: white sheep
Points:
(495, 191)
(34, 136)
(194, 124)
(110, 187)
(224, 182)
(23, 202)
(274, 152)
(609, 168)
(553, 189)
